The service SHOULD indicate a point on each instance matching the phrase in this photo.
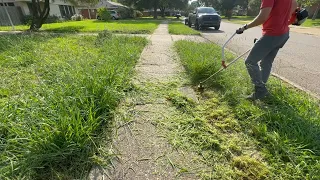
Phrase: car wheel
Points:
(217, 27)
(196, 25)
(113, 18)
(189, 23)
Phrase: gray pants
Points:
(265, 50)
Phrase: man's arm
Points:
(294, 6)
(261, 18)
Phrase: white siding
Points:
(24, 7)
(54, 10)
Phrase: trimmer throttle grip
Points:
(224, 64)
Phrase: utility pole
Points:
(5, 8)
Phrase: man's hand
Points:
(242, 29)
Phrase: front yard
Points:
(57, 97)
(139, 26)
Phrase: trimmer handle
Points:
(255, 40)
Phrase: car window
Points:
(112, 12)
(206, 10)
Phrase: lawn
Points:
(179, 28)
(247, 19)
(277, 138)
(312, 23)
(139, 26)
(239, 19)
(57, 97)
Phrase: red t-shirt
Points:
(278, 21)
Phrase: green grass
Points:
(311, 23)
(139, 26)
(181, 29)
(57, 97)
(276, 138)
(239, 19)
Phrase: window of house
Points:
(74, 11)
(62, 10)
(10, 4)
(30, 8)
(70, 11)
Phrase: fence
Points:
(15, 14)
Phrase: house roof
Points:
(114, 4)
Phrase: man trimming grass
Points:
(274, 17)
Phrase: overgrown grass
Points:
(180, 29)
(138, 26)
(273, 139)
(57, 97)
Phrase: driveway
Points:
(298, 61)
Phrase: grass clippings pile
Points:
(277, 138)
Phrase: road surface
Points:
(298, 61)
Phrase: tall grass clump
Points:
(286, 126)
(57, 97)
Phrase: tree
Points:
(311, 3)
(40, 12)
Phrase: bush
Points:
(126, 13)
(77, 17)
(138, 13)
(104, 14)
(51, 19)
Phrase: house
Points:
(59, 8)
(91, 12)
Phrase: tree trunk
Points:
(155, 8)
(162, 9)
(316, 12)
(39, 16)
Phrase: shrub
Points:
(138, 13)
(126, 12)
(77, 17)
(51, 19)
(104, 14)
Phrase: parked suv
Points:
(204, 17)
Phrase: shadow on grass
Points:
(65, 29)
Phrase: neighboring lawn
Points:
(180, 29)
(247, 19)
(57, 97)
(276, 138)
(139, 26)
(239, 19)
(312, 23)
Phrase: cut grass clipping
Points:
(121, 26)
(180, 29)
(284, 130)
(57, 96)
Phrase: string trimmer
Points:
(224, 65)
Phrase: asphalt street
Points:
(298, 61)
